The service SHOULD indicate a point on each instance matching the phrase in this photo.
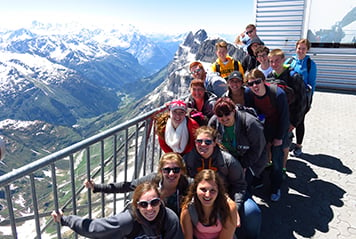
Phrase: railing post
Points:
(35, 206)
(11, 211)
(55, 196)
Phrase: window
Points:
(332, 29)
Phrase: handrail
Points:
(116, 160)
(40, 163)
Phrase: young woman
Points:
(208, 155)
(235, 89)
(170, 179)
(207, 211)
(242, 135)
(175, 130)
(305, 66)
(145, 217)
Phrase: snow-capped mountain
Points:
(60, 73)
(196, 47)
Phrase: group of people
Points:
(216, 145)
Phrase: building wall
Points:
(281, 23)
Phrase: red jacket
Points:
(192, 126)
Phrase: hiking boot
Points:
(297, 151)
(276, 196)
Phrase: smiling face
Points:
(207, 192)
(197, 72)
(251, 32)
(197, 92)
(150, 212)
(262, 57)
(221, 53)
(301, 50)
(227, 119)
(169, 177)
(276, 63)
(204, 149)
(234, 84)
(177, 116)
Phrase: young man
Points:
(245, 37)
(249, 61)
(213, 83)
(262, 57)
(200, 102)
(225, 64)
(274, 108)
(295, 81)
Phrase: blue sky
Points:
(228, 16)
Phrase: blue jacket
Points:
(301, 67)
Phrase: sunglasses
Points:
(196, 71)
(257, 82)
(249, 32)
(220, 114)
(206, 141)
(154, 203)
(168, 170)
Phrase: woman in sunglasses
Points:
(208, 155)
(170, 178)
(242, 135)
(144, 217)
(175, 129)
(207, 211)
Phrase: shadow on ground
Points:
(306, 201)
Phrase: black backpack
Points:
(307, 87)
(273, 83)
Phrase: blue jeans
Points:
(251, 218)
(277, 167)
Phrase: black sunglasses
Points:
(206, 141)
(221, 114)
(248, 32)
(168, 170)
(257, 82)
(154, 203)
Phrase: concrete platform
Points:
(319, 193)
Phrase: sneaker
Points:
(276, 196)
(297, 151)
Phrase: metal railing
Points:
(54, 182)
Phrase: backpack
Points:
(236, 66)
(273, 83)
(308, 87)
